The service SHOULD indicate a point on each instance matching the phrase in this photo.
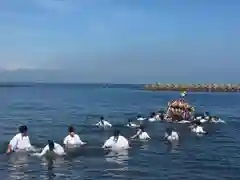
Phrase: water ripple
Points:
(49, 110)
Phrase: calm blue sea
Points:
(49, 109)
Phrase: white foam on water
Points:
(183, 122)
(219, 121)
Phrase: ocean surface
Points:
(49, 109)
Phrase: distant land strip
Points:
(13, 85)
(194, 87)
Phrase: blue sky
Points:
(123, 41)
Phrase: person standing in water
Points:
(160, 115)
(215, 119)
(140, 118)
(103, 123)
(141, 134)
(152, 117)
(57, 149)
(171, 135)
(72, 138)
(20, 141)
(116, 141)
(131, 124)
(198, 129)
(207, 115)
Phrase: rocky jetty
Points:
(194, 87)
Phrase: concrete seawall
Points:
(194, 87)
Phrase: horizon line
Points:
(95, 83)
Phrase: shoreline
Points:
(193, 87)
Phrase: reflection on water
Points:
(17, 165)
(172, 147)
(144, 146)
(50, 167)
(53, 160)
(117, 156)
(51, 163)
(119, 164)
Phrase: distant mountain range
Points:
(13, 77)
(63, 76)
(53, 77)
(27, 75)
(10, 76)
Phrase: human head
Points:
(153, 114)
(71, 130)
(161, 112)
(116, 133)
(141, 127)
(138, 116)
(206, 114)
(23, 130)
(129, 120)
(169, 130)
(198, 116)
(101, 118)
(198, 123)
(50, 145)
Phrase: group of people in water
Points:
(21, 141)
(178, 111)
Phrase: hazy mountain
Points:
(28, 75)
(76, 76)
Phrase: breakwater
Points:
(194, 87)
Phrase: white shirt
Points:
(105, 124)
(207, 117)
(198, 130)
(173, 137)
(58, 149)
(131, 125)
(140, 119)
(143, 136)
(75, 140)
(122, 143)
(217, 120)
(20, 142)
(183, 122)
(199, 117)
(203, 120)
(152, 119)
(157, 117)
